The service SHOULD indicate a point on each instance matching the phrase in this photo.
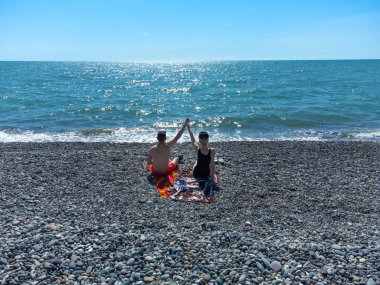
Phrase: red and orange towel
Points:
(164, 181)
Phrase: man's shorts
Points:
(171, 168)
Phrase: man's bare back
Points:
(160, 157)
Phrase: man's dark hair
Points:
(161, 136)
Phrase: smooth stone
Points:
(89, 269)
(149, 258)
(53, 227)
(266, 262)
(137, 276)
(131, 261)
(275, 265)
(81, 278)
(232, 274)
(37, 238)
(207, 277)
(165, 276)
(56, 261)
(260, 266)
(48, 265)
(242, 278)
(162, 268)
(236, 252)
(370, 281)
(72, 264)
(148, 279)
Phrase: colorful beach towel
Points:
(164, 183)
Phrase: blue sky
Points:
(196, 30)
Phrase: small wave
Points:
(30, 136)
(252, 91)
(362, 135)
(96, 132)
(176, 90)
(163, 125)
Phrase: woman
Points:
(204, 168)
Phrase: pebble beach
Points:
(288, 212)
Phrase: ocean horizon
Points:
(323, 100)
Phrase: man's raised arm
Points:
(179, 134)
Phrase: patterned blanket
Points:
(195, 190)
(181, 186)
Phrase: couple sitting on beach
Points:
(158, 162)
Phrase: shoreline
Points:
(84, 212)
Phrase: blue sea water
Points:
(232, 100)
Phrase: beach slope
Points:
(295, 212)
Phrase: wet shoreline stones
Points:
(287, 213)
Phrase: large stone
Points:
(276, 266)
(148, 279)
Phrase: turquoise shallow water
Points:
(237, 100)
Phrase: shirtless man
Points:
(158, 158)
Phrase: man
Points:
(158, 158)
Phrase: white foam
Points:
(367, 135)
(116, 135)
(148, 135)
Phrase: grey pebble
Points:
(131, 261)
(266, 262)
(260, 266)
(207, 277)
(242, 278)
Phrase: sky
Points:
(188, 30)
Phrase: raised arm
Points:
(195, 145)
(179, 134)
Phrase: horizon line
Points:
(184, 61)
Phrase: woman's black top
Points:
(202, 168)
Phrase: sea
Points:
(316, 100)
